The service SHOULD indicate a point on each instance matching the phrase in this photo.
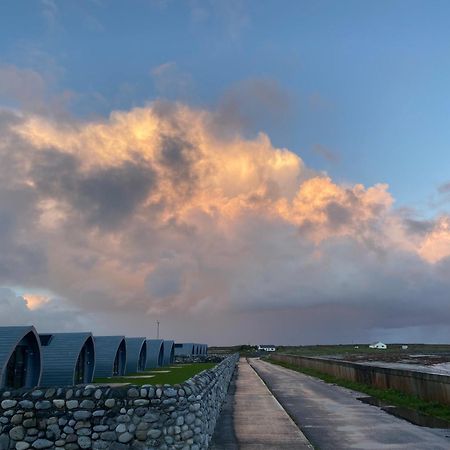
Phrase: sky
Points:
(241, 171)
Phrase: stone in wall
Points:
(163, 417)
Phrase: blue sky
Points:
(175, 207)
(368, 80)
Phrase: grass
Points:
(178, 373)
(389, 396)
(348, 349)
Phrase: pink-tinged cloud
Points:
(154, 212)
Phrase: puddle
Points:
(139, 376)
(408, 414)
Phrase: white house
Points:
(379, 345)
(267, 348)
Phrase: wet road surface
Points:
(332, 418)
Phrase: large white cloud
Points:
(154, 212)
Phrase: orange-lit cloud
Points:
(35, 301)
(155, 212)
(436, 244)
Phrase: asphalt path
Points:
(332, 418)
(252, 419)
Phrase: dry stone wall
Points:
(124, 418)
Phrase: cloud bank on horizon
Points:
(162, 211)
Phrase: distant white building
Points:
(404, 347)
(379, 345)
(267, 348)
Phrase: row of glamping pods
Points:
(190, 349)
(29, 359)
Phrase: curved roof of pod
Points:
(106, 349)
(155, 353)
(168, 352)
(136, 349)
(184, 348)
(10, 337)
(60, 355)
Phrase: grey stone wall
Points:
(184, 359)
(125, 418)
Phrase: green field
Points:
(389, 396)
(362, 349)
(340, 349)
(175, 374)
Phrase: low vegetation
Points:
(355, 349)
(388, 396)
(176, 374)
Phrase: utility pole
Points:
(157, 329)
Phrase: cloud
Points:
(253, 105)
(444, 188)
(45, 313)
(326, 153)
(231, 15)
(171, 82)
(26, 89)
(169, 212)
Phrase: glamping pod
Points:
(110, 356)
(155, 353)
(169, 352)
(136, 354)
(184, 349)
(20, 357)
(68, 358)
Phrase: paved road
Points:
(333, 419)
(252, 419)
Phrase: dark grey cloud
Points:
(104, 197)
(338, 215)
(251, 106)
(418, 226)
(444, 188)
(330, 155)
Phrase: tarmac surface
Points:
(252, 418)
(332, 418)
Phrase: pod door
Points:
(16, 371)
(84, 367)
(23, 367)
(119, 360)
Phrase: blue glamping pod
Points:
(136, 354)
(68, 358)
(20, 357)
(110, 356)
